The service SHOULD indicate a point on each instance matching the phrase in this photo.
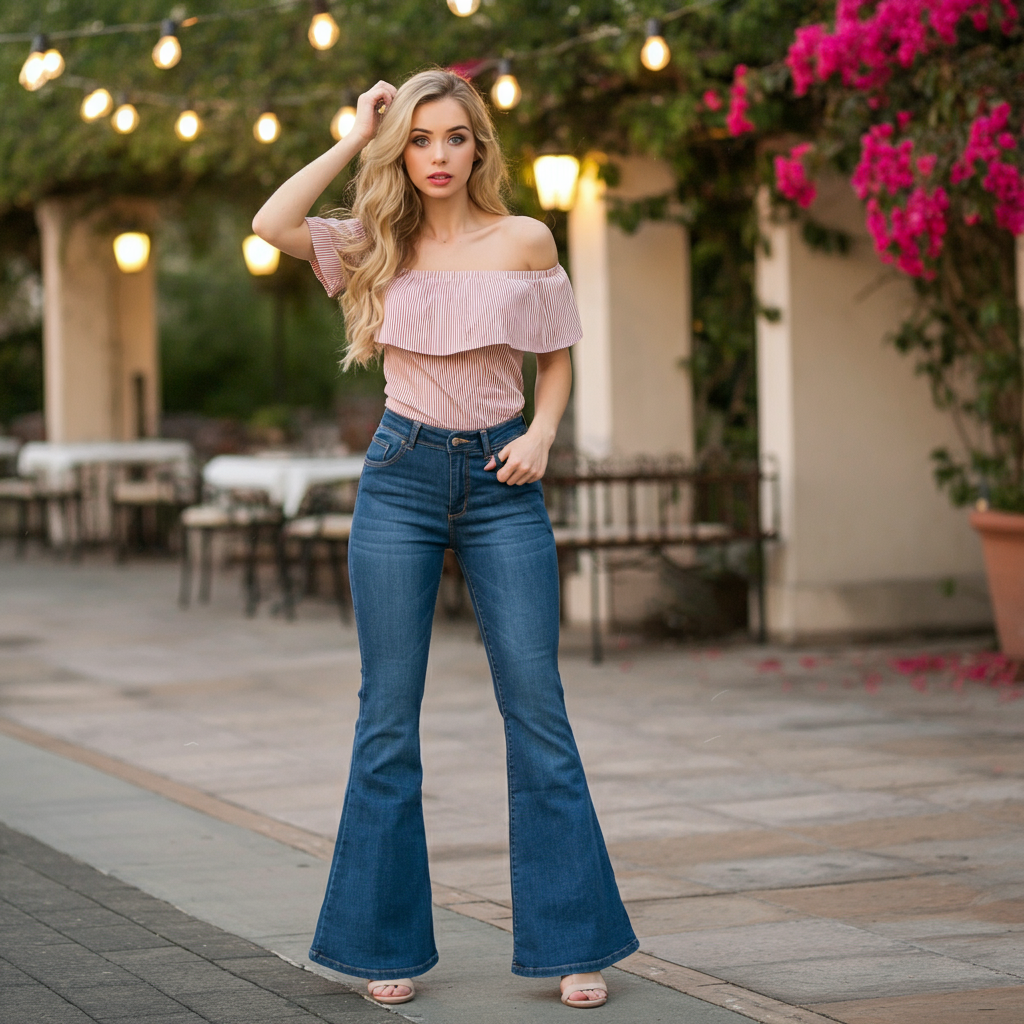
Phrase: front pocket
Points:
(386, 447)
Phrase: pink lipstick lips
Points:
(440, 178)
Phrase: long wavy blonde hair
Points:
(389, 207)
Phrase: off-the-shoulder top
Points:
(454, 339)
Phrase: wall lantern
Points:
(260, 257)
(556, 178)
(655, 53)
(323, 29)
(167, 51)
(343, 122)
(267, 127)
(97, 104)
(131, 250)
(463, 8)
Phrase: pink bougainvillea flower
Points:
(736, 119)
(712, 100)
(791, 176)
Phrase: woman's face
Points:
(441, 149)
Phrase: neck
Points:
(446, 219)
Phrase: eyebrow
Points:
(427, 131)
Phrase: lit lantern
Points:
(463, 8)
(323, 29)
(343, 122)
(655, 53)
(97, 104)
(188, 125)
(556, 178)
(131, 250)
(167, 51)
(505, 92)
(33, 72)
(125, 119)
(260, 257)
(267, 127)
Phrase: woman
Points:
(451, 289)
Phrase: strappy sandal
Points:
(391, 1000)
(585, 986)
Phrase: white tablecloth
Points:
(285, 480)
(54, 462)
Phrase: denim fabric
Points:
(424, 490)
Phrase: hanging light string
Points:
(323, 33)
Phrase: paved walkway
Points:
(799, 835)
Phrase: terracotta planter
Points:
(1002, 540)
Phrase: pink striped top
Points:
(454, 339)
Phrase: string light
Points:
(188, 125)
(463, 8)
(343, 122)
(125, 119)
(167, 51)
(267, 127)
(97, 104)
(261, 258)
(131, 251)
(556, 178)
(506, 92)
(323, 29)
(655, 53)
(42, 65)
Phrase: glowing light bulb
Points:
(463, 8)
(167, 51)
(505, 92)
(33, 72)
(323, 29)
(188, 125)
(267, 127)
(343, 122)
(97, 104)
(131, 250)
(655, 53)
(125, 119)
(556, 178)
(260, 257)
(53, 64)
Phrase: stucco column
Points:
(869, 544)
(101, 363)
(633, 393)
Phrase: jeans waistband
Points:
(483, 441)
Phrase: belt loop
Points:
(486, 442)
(414, 433)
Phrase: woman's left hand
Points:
(525, 459)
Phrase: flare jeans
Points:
(424, 490)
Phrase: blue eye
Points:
(457, 139)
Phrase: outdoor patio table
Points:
(284, 478)
(55, 463)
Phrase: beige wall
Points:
(869, 545)
(99, 325)
(632, 395)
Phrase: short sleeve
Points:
(327, 235)
(561, 319)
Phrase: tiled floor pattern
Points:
(812, 825)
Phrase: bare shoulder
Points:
(532, 242)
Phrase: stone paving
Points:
(839, 829)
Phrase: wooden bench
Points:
(661, 507)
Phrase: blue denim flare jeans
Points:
(424, 490)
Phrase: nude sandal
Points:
(391, 1000)
(585, 1004)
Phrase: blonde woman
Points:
(437, 277)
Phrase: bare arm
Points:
(526, 458)
(281, 220)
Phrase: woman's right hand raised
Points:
(367, 118)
